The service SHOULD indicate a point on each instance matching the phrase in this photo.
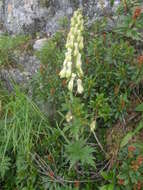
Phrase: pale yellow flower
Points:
(79, 86)
(78, 61)
(93, 125)
(71, 82)
(63, 73)
(69, 116)
(69, 70)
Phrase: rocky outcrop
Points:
(31, 16)
(26, 66)
(42, 16)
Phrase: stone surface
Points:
(38, 45)
(31, 16)
(25, 68)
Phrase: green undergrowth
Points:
(59, 140)
(11, 47)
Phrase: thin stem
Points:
(100, 145)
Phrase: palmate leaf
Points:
(80, 152)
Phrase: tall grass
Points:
(21, 127)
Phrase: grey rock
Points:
(31, 16)
(38, 45)
(25, 68)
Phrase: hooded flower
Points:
(78, 61)
(70, 84)
(69, 69)
(63, 73)
(79, 86)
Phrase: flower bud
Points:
(81, 28)
(65, 63)
(78, 61)
(63, 73)
(69, 45)
(70, 85)
(68, 57)
(72, 31)
(75, 31)
(68, 73)
(80, 72)
(79, 17)
(72, 21)
(81, 45)
(69, 116)
(79, 86)
(69, 64)
(69, 51)
(80, 41)
(78, 32)
(69, 69)
(93, 125)
(76, 51)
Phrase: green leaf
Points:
(107, 176)
(80, 152)
(139, 108)
(130, 135)
(139, 127)
(107, 187)
(126, 139)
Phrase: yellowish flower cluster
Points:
(72, 66)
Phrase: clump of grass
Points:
(21, 126)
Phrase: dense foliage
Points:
(58, 139)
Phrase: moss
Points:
(45, 3)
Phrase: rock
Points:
(25, 68)
(38, 45)
(32, 16)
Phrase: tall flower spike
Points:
(74, 47)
